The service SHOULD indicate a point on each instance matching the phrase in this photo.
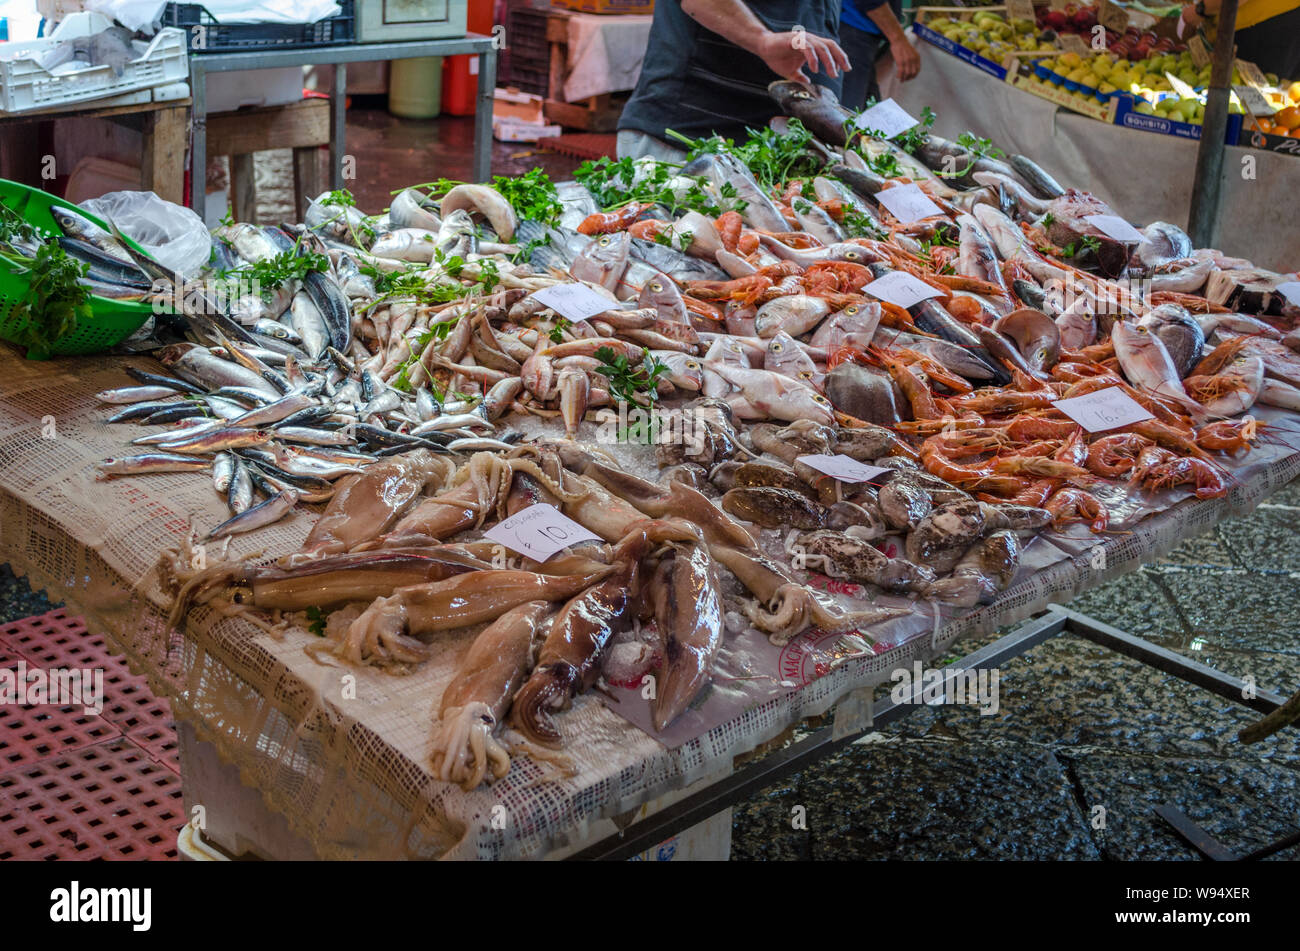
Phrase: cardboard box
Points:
(606, 6)
(512, 105)
(512, 130)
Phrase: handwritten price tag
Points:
(1020, 9)
(574, 301)
(843, 468)
(1102, 410)
(1291, 291)
(1254, 100)
(1073, 44)
(1115, 227)
(887, 118)
(901, 288)
(539, 531)
(907, 203)
(1250, 72)
(1112, 16)
(1199, 50)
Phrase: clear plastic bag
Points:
(176, 237)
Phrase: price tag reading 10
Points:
(539, 531)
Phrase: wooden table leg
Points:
(162, 167)
(307, 179)
(243, 191)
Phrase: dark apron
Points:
(697, 83)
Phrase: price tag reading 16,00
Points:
(539, 531)
(1103, 409)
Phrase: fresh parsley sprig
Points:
(628, 383)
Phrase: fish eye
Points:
(656, 286)
(851, 309)
(805, 375)
(851, 255)
(603, 240)
(821, 399)
(777, 348)
(692, 365)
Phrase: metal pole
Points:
(1207, 182)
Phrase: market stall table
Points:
(341, 751)
(340, 56)
(1147, 174)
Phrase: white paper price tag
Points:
(1291, 291)
(887, 118)
(907, 203)
(1115, 227)
(843, 468)
(901, 288)
(574, 301)
(1104, 409)
(539, 531)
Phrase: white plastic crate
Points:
(25, 85)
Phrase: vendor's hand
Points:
(907, 59)
(786, 54)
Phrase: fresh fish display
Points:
(414, 384)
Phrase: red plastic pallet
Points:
(77, 785)
(57, 640)
(582, 145)
(110, 800)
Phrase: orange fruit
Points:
(1288, 118)
(1264, 125)
(1293, 92)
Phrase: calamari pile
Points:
(427, 409)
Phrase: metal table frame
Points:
(339, 56)
(773, 767)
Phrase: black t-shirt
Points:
(697, 83)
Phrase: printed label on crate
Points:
(1104, 409)
(907, 203)
(1291, 291)
(1199, 51)
(1020, 9)
(539, 531)
(1073, 44)
(1113, 226)
(901, 288)
(887, 119)
(843, 468)
(574, 301)
(1254, 100)
(1112, 16)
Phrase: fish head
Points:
(660, 293)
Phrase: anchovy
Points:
(148, 462)
(263, 513)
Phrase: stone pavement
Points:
(1085, 743)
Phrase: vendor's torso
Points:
(695, 82)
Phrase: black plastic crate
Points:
(238, 37)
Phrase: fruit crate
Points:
(111, 321)
(205, 35)
(1127, 115)
(950, 46)
(26, 85)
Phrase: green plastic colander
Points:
(111, 321)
